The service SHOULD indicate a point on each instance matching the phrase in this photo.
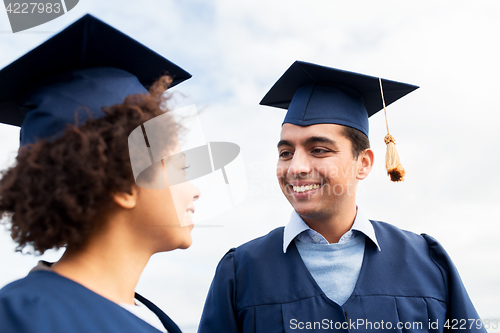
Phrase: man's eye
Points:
(285, 154)
(319, 151)
(185, 167)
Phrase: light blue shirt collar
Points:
(297, 228)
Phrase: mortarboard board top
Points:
(315, 94)
(89, 61)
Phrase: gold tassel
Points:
(392, 163)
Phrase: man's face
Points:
(316, 169)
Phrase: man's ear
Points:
(126, 200)
(365, 163)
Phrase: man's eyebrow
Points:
(321, 139)
(284, 143)
(310, 140)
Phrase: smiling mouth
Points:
(305, 188)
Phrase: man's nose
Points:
(300, 164)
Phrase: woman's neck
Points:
(110, 264)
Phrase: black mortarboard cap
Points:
(315, 94)
(87, 66)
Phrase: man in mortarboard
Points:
(331, 268)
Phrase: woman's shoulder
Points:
(34, 284)
(43, 287)
(26, 304)
(44, 302)
(38, 292)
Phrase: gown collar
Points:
(297, 228)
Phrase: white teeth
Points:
(301, 189)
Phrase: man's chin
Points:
(307, 212)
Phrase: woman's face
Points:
(166, 214)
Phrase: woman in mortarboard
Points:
(73, 185)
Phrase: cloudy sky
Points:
(445, 131)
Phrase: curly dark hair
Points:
(55, 191)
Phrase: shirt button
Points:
(316, 239)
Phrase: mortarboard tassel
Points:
(392, 163)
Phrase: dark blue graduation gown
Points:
(410, 285)
(45, 302)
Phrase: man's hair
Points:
(359, 141)
(58, 189)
